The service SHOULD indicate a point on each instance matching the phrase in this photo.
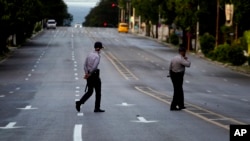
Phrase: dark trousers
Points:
(93, 82)
(177, 80)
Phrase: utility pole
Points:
(197, 43)
(217, 23)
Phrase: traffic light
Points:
(113, 5)
(105, 24)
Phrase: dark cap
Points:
(182, 49)
(98, 45)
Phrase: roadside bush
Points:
(221, 53)
(207, 43)
(174, 39)
(236, 55)
(37, 27)
(248, 60)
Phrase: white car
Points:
(51, 23)
(78, 25)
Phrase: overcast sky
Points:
(80, 8)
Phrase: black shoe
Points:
(78, 106)
(182, 108)
(174, 109)
(98, 110)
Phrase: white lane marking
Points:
(77, 87)
(208, 91)
(26, 79)
(1, 96)
(225, 80)
(243, 99)
(29, 75)
(10, 125)
(187, 81)
(18, 88)
(11, 92)
(80, 114)
(125, 104)
(143, 120)
(78, 132)
(29, 107)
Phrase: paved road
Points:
(40, 82)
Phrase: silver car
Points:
(51, 24)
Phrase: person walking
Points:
(176, 72)
(93, 80)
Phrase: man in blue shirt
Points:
(93, 80)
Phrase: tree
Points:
(149, 11)
(20, 16)
(184, 16)
(102, 13)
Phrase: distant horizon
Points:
(80, 9)
(90, 3)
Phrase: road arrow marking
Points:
(143, 120)
(11, 125)
(29, 107)
(125, 104)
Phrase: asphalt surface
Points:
(40, 82)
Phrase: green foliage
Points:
(242, 41)
(148, 9)
(37, 27)
(103, 12)
(230, 54)
(248, 60)
(221, 53)
(207, 43)
(174, 39)
(236, 55)
(20, 16)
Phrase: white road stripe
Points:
(78, 132)
(243, 99)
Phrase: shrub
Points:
(37, 27)
(236, 55)
(221, 53)
(248, 60)
(174, 39)
(207, 43)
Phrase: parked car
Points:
(51, 24)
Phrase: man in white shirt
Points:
(177, 71)
(93, 80)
